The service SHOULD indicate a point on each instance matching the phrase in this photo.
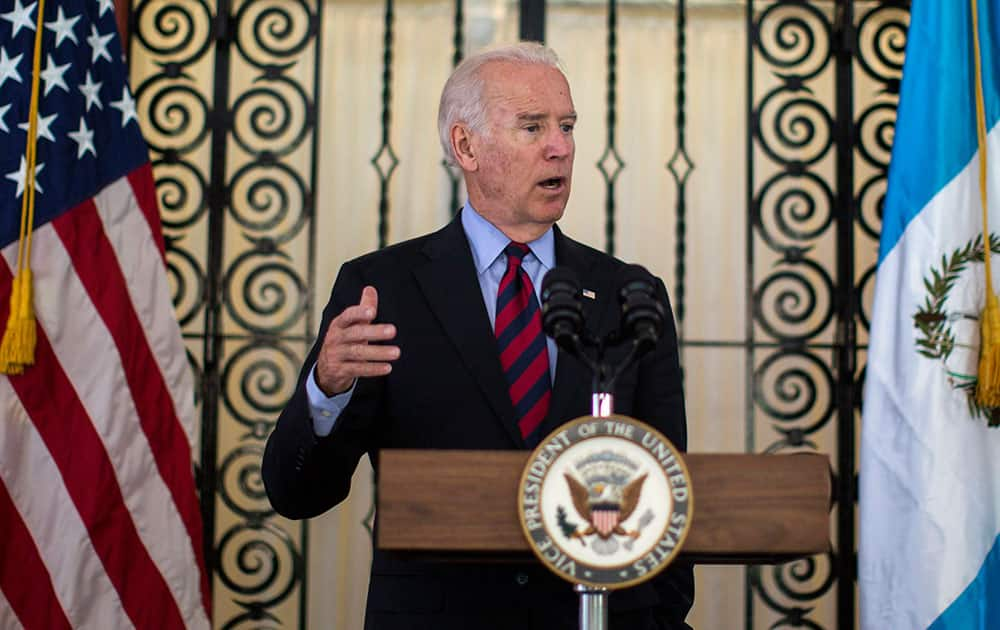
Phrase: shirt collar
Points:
(487, 241)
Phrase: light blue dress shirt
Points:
(487, 244)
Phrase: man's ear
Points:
(461, 145)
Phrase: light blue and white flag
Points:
(929, 552)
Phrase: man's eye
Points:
(531, 128)
(567, 128)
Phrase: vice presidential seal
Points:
(605, 502)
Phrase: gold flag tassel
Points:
(17, 349)
(988, 386)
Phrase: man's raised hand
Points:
(347, 354)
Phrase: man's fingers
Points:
(360, 333)
(350, 353)
(351, 348)
(344, 362)
(363, 312)
(353, 315)
(369, 299)
(366, 369)
(362, 369)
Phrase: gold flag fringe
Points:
(17, 348)
(988, 382)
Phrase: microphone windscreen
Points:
(635, 278)
(562, 314)
(642, 312)
(559, 279)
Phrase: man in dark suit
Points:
(415, 350)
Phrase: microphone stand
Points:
(594, 600)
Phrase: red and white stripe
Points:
(97, 436)
(605, 521)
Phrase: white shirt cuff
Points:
(323, 409)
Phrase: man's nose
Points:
(559, 144)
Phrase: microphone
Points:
(562, 314)
(642, 313)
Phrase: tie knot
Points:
(516, 251)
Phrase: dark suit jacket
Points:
(448, 391)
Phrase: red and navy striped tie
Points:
(523, 352)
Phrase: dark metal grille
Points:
(385, 161)
(235, 159)
(792, 213)
(610, 163)
(680, 167)
(816, 177)
(235, 162)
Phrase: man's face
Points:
(524, 160)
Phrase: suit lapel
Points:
(449, 282)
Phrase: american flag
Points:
(99, 520)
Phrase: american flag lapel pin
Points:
(587, 293)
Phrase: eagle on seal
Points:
(604, 506)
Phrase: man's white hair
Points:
(462, 96)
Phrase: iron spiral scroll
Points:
(228, 103)
(816, 181)
(228, 106)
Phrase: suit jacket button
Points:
(521, 578)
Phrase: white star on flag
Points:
(44, 129)
(3, 114)
(53, 75)
(106, 5)
(20, 16)
(99, 44)
(90, 88)
(84, 139)
(8, 67)
(126, 106)
(18, 176)
(62, 26)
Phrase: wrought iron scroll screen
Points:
(822, 90)
(227, 94)
(227, 91)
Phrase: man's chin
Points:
(557, 212)
(548, 215)
(551, 210)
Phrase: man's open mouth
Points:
(552, 183)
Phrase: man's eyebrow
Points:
(533, 117)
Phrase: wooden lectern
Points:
(748, 509)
